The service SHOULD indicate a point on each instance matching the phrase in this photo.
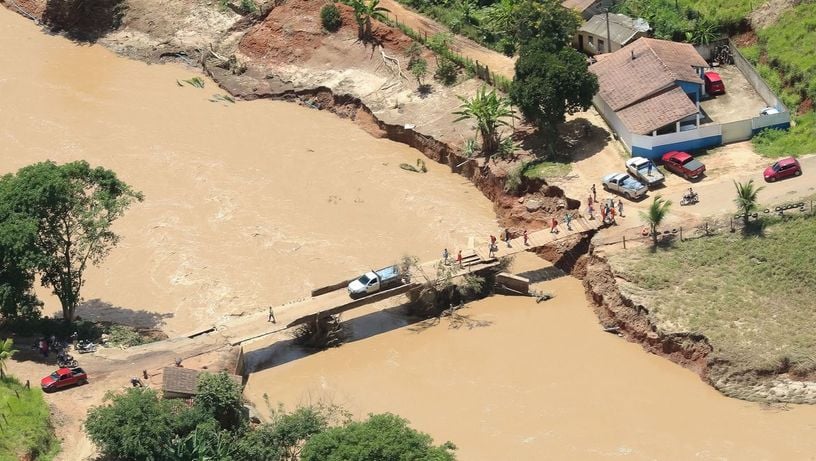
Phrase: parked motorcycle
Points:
(66, 361)
(85, 347)
(689, 199)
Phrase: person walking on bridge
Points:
(507, 237)
(459, 259)
(568, 220)
(445, 256)
(554, 226)
(526, 238)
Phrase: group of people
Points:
(609, 209)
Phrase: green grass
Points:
(547, 169)
(799, 140)
(25, 423)
(752, 297)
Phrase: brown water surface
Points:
(540, 382)
(247, 205)
(255, 203)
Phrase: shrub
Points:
(121, 335)
(446, 72)
(249, 6)
(330, 17)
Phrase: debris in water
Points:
(196, 82)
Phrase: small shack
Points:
(596, 37)
(182, 383)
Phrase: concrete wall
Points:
(756, 81)
(613, 121)
(654, 147)
(741, 130)
(779, 121)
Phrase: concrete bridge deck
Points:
(336, 301)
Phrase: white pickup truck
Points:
(372, 282)
(644, 170)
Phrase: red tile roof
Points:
(658, 111)
(643, 69)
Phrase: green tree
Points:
(546, 20)
(703, 32)
(657, 212)
(136, 424)
(74, 207)
(205, 443)
(746, 199)
(330, 17)
(221, 397)
(550, 84)
(18, 252)
(364, 12)
(500, 18)
(380, 437)
(490, 111)
(6, 351)
(282, 439)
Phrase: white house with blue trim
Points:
(650, 93)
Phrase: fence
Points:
(481, 71)
(756, 80)
(692, 230)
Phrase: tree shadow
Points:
(83, 20)
(96, 310)
(358, 329)
(578, 139)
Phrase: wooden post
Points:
(706, 227)
(624, 242)
(681, 233)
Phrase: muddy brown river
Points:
(253, 204)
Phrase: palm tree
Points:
(655, 214)
(364, 11)
(746, 198)
(6, 352)
(489, 110)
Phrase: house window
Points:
(591, 41)
(601, 46)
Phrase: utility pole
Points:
(608, 34)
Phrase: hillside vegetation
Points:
(26, 431)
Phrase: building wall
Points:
(654, 147)
(593, 50)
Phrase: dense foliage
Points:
(551, 82)
(55, 220)
(380, 437)
(138, 425)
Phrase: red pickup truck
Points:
(64, 377)
(683, 164)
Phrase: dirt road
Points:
(497, 62)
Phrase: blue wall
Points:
(694, 89)
(781, 126)
(686, 146)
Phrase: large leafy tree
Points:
(73, 207)
(380, 437)
(490, 111)
(218, 395)
(364, 12)
(282, 439)
(135, 425)
(18, 256)
(546, 20)
(551, 82)
(747, 199)
(655, 214)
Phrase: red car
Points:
(64, 377)
(683, 164)
(713, 83)
(784, 168)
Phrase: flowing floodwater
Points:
(254, 203)
(247, 205)
(539, 382)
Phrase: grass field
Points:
(753, 297)
(547, 169)
(25, 423)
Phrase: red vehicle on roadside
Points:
(784, 168)
(683, 164)
(713, 83)
(64, 377)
